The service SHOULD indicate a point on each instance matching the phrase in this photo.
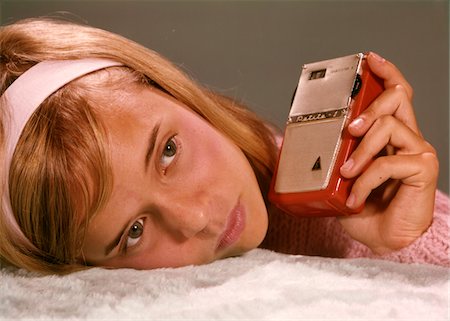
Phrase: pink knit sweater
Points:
(326, 237)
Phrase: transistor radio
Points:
(329, 95)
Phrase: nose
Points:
(186, 217)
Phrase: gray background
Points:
(252, 50)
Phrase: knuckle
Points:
(431, 161)
(370, 113)
(385, 121)
(399, 89)
(406, 89)
(401, 92)
(381, 165)
(427, 167)
(429, 148)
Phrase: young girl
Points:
(113, 157)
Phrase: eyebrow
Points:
(114, 243)
(151, 147)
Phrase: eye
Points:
(168, 153)
(135, 233)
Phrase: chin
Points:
(247, 245)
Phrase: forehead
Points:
(125, 102)
(134, 100)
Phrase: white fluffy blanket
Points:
(260, 285)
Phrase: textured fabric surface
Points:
(261, 285)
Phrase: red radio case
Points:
(330, 201)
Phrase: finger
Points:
(386, 131)
(388, 72)
(393, 101)
(418, 171)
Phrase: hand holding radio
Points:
(352, 149)
(396, 170)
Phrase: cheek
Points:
(167, 253)
(217, 160)
(208, 149)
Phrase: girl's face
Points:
(182, 193)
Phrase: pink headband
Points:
(20, 101)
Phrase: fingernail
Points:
(377, 57)
(357, 123)
(348, 165)
(350, 200)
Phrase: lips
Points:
(235, 227)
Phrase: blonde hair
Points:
(60, 174)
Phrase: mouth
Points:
(234, 228)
